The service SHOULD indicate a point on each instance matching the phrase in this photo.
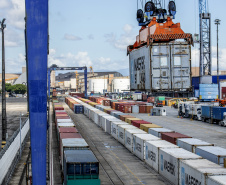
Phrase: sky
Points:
(97, 33)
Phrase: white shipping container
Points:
(108, 123)
(139, 141)
(216, 180)
(212, 153)
(129, 137)
(64, 121)
(157, 131)
(170, 162)
(135, 109)
(152, 152)
(121, 132)
(114, 128)
(98, 117)
(103, 121)
(198, 170)
(190, 144)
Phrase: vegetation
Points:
(17, 89)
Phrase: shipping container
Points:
(73, 144)
(152, 152)
(198, 171)
(216, 180)
(129, 137)
(169, 165)
(77, 163)
(59, 125)
(145, 127)
(108, 123)
(129, 120)
(190, 144)
(137, 123)
(123, 117)
(121, 132)
(103, 120)
(157, 131)
(161, 66)
(114, 128)
(219, 115)
(173, 136)
(135, 109)
(139, 143)
(208, 91)
(212, 153)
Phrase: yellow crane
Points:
(91, 70)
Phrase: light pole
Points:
(4, 121)
(217, 22)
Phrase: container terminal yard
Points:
(162, 123)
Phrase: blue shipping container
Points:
(218, 113)
(78, 109)
(206, 111)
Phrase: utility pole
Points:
(217, 22)
(4, 120)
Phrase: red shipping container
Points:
(60, 113)
(173, 136)
(144, 97)
(142, 108)
(67, 130)
(58, 108)
(137, 123)
(223, 95)
(223, 89)
(127, 108)
(151, 99)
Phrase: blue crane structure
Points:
(55, 68)
(205, 39)
(36, 37)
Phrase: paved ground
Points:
(14, 106)
(117, 164)
(201, 130)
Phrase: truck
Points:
(195, 111)
(212, 114)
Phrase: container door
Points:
(140, 69)
(180, 63)
(160, 65)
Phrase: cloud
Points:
(72, 37)
(90, 37)
(5, 4)
(68, 60)
(222, 58)
(125, 39)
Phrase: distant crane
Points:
(91, 70)
(205, 67)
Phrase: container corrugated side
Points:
(121, 132)
(216, 180)
(152, 152)
(114, 128)
(212, 153)
(129, 137)
(170, 162)
(108, 123)
(103, 121)
(198, 170)
(139, 141)
(190, 144)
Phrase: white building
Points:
(98, 85)
(120, 85)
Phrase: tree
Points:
(19, 88)
(8, 87)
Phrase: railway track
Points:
(93, 141)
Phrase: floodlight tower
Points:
(205, 39)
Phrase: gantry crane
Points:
(205, 39)
(91, 71)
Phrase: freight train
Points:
(160, 148)
(78, 163)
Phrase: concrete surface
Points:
(211, 133)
